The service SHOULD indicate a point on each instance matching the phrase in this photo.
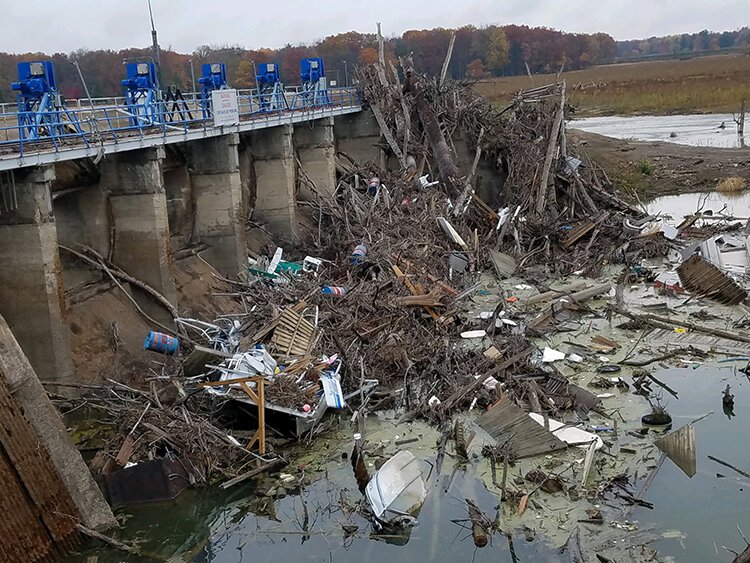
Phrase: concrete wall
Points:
(358, 135)
(276, 182)
(31, 288)
(315, 143)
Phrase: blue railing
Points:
(95, 121)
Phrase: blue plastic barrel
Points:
(162, 343)
(358, 256)
(333, 290)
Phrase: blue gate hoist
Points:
(314, 86)
(41, 109)
(214, 78)
(270, 88)
(142, 95)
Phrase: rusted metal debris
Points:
(703, 278)
(680, 448)
(38, 515)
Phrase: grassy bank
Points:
(700, 85)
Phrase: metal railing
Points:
(98, 121)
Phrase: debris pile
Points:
(415, 296)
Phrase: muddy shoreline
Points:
(645, 170)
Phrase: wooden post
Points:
(447, 61)
(259, 399)
(262, 414)
(541, 200)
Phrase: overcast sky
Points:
(66, 25)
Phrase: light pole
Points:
(155, 44)
(192, 76)
(346, 72)
(255, 74)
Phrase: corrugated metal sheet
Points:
(680, 448)
(38, 515)
(703, 278)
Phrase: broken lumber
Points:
(447, 169)
(667, 323)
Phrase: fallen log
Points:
(667, 323)
(446, 405)
(448, 171)
(478, 525)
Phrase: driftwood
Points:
(730, 466)
(446, 164)
(667, 323)
(252, 473)
(479, 526)
(497, 370)
(118, 273)
(106, 539)
(449, 54)
(541, 201)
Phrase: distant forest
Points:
(478, 53)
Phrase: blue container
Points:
(358, 256)
(162, 343)
(333, 290)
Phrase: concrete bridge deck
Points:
(106, 126)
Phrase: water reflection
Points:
(695, 130)
(736, 204)
(704, 511)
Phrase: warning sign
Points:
(225, 108)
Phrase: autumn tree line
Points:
(478, 53)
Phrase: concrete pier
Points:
(51, 435)
(217, 195)
(135, 183)
(276, 182)
(358, 135)
(31, 293)
(316, 147)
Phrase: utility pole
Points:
(155, 43)
(255, 74)
(346, 72)
(192, 75)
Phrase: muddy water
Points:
(704, 511)
(678, 206)
(231, 526)
(237, 525)
(695, 130)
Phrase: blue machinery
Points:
(314, 86)
(142, 96)
(270, 89)
(214, 78)
(40, 107)
(43, 119)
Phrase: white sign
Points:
(225, 108)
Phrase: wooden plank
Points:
(508, 422)
(410, 286)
